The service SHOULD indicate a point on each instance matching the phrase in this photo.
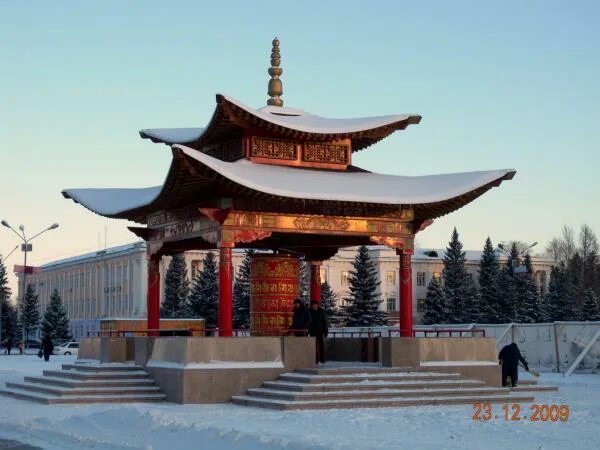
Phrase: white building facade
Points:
(112, 283)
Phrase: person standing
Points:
(9, 345)
(300, 319)
(509, 358)
(319, 328)
(47, 347)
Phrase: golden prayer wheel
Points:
(274, 285)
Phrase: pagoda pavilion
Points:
(281, 179)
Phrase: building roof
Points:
(291, 122)
(107, 253)
(445, 192)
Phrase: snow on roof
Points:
(290, 118)
(109, 252)
(347, 186)
(111, 201)
(172, 135)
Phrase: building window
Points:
(421, 305)
(437, 276)
(391, 304)
(196, 267)
(345, 276)
(390, 277)
(420, 278)
(323, 273)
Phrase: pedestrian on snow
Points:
(9, 345)
(319, 328)
(509, 358)
(300, 319)
(21, 347)
(47, 347)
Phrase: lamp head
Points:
(53, 226)
(21, 227)
(5, 223)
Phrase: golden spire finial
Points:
(275, 87)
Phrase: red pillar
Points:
(315, 280)
(153, 296)
(406, 307)
(225, 290)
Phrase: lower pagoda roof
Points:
(196, 177)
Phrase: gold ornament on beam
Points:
(275, 86)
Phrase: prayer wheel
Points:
(274, 285)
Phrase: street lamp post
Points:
(25, 247)
(2, 292)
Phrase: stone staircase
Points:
(356, 387)
(88, 383)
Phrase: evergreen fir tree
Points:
(204, 296)
(176, 288)
(435, 304)
(471, 302)
(241, 293)
(329, 304)
(5, 306)
(9, 322)
(56, 322)
(507, 312)
(30, 311)
(304, 282)
(591, 306)
(364, 300)
(489, 289)
(559, 302)
(527, 295)
(457, 282)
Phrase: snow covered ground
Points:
(220, 427)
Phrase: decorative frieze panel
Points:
(273, 148)
(227, 151)
(326, 153)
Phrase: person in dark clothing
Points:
(300, 319)
(47, 347)
(319, 328)
(9, 345)
(509, 358)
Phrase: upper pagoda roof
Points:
(430, 195)
(286, 122)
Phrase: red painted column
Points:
(153, 296)
(406, 306)
(315, 280)
(225, 290)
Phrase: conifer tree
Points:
(507, 312)
(304, 282)
(527, 295)
(489, 289)
(363, 302)
(204, 296)
(4, 300)
(591, 306)
(241, 293)
(329, 304)
(9, 322)
(30, 311)
(435, 307)
(457, 282)
(471, 302)
(559, 303)
(56, 322)
(176, 288)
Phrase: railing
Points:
(445, 332)
(209, 332)
(357, 333)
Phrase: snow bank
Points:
(220, 427)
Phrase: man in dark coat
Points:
(47, 347)
(300, 319)
(509, 358)
(9, 345)
(319, 328)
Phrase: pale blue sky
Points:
(507, 84)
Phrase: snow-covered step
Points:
(374, 393)
(377, 403)
(371, 384)
(341, 370)
(85, 375)
(109, 367)
(299, 377)
(98, 390)
(534, 388)
(75, 383)
(84, 399)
